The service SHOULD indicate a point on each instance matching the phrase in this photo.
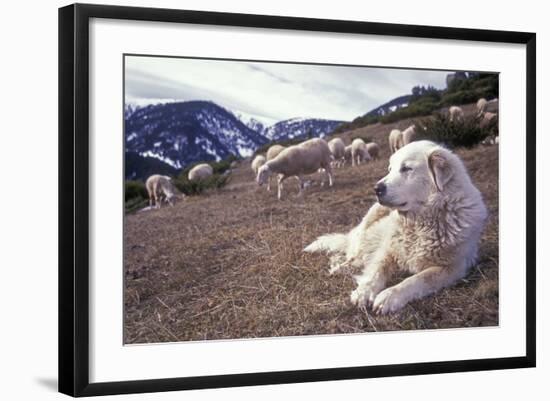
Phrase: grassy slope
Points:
(229, 263)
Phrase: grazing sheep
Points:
(395, 140)
(272, 153)
(258, 162)
(347, 154)
(373, 149)
(200, 172)
(409, 135)
(338, 149)
(487, 118)
(159, 186)
(298, 160)
(481, 106)
(456, 113)
(359, 152)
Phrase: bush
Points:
(423, 107)
(135, 196)
(215, 181)
(134, 189)
(135, 204)
(463, 133)
(222, 166)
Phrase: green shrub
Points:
(135, 196)
(223, 165)
(423, 107)
(135, 204)
(215, 181)
(134, 189)
(462, 133)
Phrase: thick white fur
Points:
(428, 224)
(298, 160)
(159, 186)
(200, 172)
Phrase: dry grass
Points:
(229, 263)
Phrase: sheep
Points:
(347, 154)
(481, 106)
(297, 160)
(158, 186)
(409, 135)
(337, 148)
(359, 151)
(487, 117)
(456, 113)
(373, 149)
(200, 172)
(258, 162)
(395, 140)
(272, 153)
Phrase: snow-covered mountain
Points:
(300, 128)
(181, 133)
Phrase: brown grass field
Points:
(229, 264)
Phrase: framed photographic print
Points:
(251, 199)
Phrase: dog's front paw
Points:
(388, 301)
(359, 298)
(364, 295)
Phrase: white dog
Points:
(428, 222)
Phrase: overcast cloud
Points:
(271, 91)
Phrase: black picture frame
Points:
(74, 198)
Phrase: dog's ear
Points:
(440, 167)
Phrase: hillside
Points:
(229, 263)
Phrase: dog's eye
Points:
(404, 169)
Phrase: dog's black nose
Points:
(380, 189)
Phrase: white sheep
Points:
(200, 172)
(487, 118)
(271, 154)
(456, 113)
(373, 149)
(409, 135)
(396, 140)
(258, 162)
(298, 160)
(359, 152)
(347, 154)
(481, 106)
(338, 149)
(159, 186)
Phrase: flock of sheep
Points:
(309, 157)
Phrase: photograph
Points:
(273, 199)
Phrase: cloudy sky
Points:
(271, 91)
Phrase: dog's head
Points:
(416, 172)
